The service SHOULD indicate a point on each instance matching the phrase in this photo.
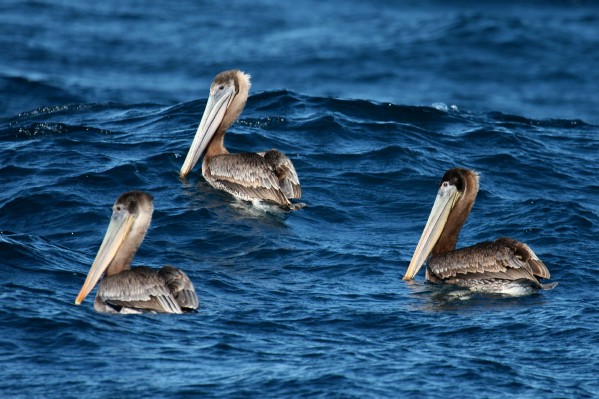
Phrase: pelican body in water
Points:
(265, 176)
(502, 266)
(140, 289)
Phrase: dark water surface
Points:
(372, 101)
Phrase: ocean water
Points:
(372, 101)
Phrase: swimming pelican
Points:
(140, 289)
(267, 176)
(502, 266)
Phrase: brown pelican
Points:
(502, 266)
(267, 176)
(140, 289)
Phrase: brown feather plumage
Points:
(487, 265)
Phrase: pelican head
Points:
(455, 197)
(228, 95)
(131, 216)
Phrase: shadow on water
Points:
(441, 298)
(200, 195)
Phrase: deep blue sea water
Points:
(372, 101)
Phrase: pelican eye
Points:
(221, 87)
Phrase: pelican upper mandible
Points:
(502, 266)
(140, 289)
(267, 176)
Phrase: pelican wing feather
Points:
(140, 289)
(502, 259)
(246, 175)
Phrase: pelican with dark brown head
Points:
(266, 176)
(502, 266)
(140, 289)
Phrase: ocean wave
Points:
(329, 274)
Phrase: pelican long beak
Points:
(446, 198)
(119, 227)
(213, 116)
